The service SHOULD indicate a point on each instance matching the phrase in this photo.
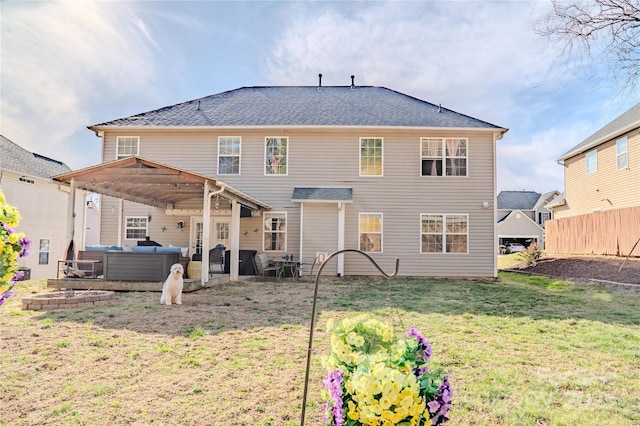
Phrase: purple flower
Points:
(18, 276)
(333, 382)
(441, 405)
(426, 346)
(25, 243)
(5, 295)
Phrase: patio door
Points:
(219, 233)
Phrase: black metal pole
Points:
(313, 315)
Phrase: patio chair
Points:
(265, 266)
(216, 257)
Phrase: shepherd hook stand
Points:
(313, 315)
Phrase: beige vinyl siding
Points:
(43, 208)
(606, 189)
(331, 159)
(320, 233)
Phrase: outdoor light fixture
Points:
(180, 224)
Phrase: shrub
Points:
(531, 255)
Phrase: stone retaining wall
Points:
(67, 300)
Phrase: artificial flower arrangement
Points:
(375, 379)
(12, 246)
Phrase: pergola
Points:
(151, 183)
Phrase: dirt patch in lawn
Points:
(588, 268)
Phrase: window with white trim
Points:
(591, 160)
(371, 158)
(136, 227)
(444, 233)
(275, 232)
(370, 226)
(275, 157)
(443, 156)
(43, 252)
(622, 156)
(127, 146)
(229, 155)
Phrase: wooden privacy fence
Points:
(611, 232)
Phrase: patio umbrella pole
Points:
(313, 315)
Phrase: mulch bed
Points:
(586, 268)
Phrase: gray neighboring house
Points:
(25, 180)
(521, 216)
(327, 167)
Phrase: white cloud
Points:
(454, 52)
(60, 58)
(529, 161)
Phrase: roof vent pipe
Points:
(198, 105)
(439, 108)
(352, 81)
(319, 81)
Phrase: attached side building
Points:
(25, 180)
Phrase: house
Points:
(301, 172)
(25, 180)
(521, 216)
(599, 211)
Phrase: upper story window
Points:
(275, 231)
(127, 146)
(136, 227)
(444, 233)
(371, 232)
(370, 156)
(443, 156)
(275, 158)
(229, 155)
(543, 217)
(622, 157)
(591, 160)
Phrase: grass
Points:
(521, 350)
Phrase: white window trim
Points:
(360, 157)
(444, 233)
(48, 251)
(239, 156)
(444, 157)
(626, 152)
(593, 152)
(146, 218)
(264, 164)
(286, 232)
(118, 157)
(381, 231)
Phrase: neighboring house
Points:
(522, 215)
(318, 169)
(25, 180)
(601, 175)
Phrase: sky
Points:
(67, 65)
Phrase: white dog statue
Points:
(172, 288)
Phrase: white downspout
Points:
(301, 237)
(341, 211)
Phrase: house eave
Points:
(597, 142)
(500, 131)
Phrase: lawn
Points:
(522, 350)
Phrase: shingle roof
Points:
(303, 106)
(628, 121)
(517, 200)
(322, 194)
(20, 160)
